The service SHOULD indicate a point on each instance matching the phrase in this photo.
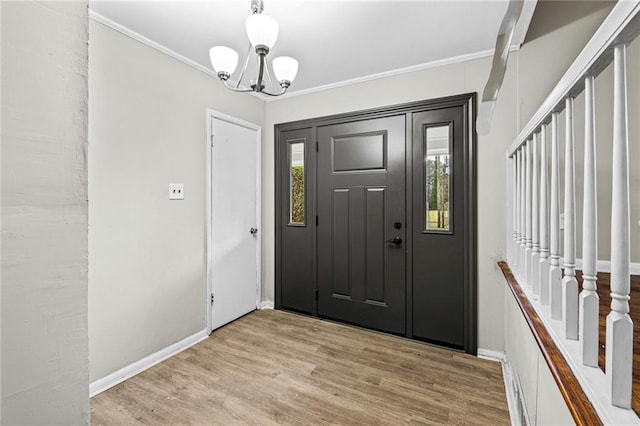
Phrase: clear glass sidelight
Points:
(437, 178)
(296, 184)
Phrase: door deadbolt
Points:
(253, 231)
(397, 225)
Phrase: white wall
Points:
(147, 128)
(468, 76)
(44, 213)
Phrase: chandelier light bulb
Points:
(223, 59)
(262, 30)
(285, 68)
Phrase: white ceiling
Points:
(334, 41)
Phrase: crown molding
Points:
(427, 65)
(163, 49)
(146, 41)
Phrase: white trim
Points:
(604, 37)
(266, 305)
(145, 363)
(211, 115)
(490, 355)
(391, 73)
(157, 46)
(148, 42)
(515, 403)
(522, 26)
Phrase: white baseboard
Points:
(137, 367)
(515, 403)
(491, 355)
(266, 305)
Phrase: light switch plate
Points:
(176, 191)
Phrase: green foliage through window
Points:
(438, 192)
(297, 194)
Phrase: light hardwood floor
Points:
(273, 367)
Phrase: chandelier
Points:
(262, 31)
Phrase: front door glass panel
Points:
(437, 149)
(296, 184)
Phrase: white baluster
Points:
(534, 280)
(528, 240)
(555, 273)
(619, 349)
(589, 300)
(543, 269)
(523, 213)
(514, 202)
(518, 235)
(569, 282)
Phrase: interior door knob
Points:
(395, 240)
(253, 231)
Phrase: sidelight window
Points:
(437, 148)
(296, 184)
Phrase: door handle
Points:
(395, 240)
(253, 231)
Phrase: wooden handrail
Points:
(579, 406)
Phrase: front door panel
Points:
(361, 195)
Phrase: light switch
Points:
(176, 191)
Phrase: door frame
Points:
(468, 102)
(209, 142)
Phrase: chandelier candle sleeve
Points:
(224, 60)
(262, 30)
(285, 68)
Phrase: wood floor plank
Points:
(274, 367)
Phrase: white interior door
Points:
(233, 246)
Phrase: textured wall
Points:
(44, 213)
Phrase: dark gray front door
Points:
(361, 223)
